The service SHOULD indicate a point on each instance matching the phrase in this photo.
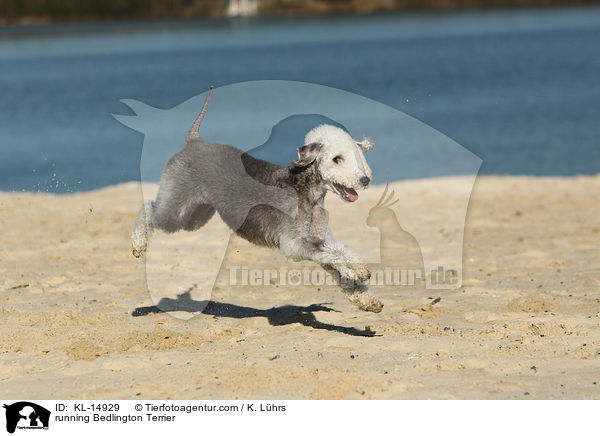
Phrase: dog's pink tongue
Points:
(351, 193)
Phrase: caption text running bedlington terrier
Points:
(264, 203)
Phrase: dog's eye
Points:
(338, 159)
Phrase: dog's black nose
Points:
(365, 181)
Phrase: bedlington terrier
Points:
(267, 204)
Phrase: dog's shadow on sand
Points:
(277, 316)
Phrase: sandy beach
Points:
(78, 321)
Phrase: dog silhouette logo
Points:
(26, 415)
(269, 120)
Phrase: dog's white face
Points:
(341, 160)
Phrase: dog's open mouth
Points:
(347, 194)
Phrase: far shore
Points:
(73, 12)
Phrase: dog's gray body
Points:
(266, 204)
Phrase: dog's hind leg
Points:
(172, 213)
(197, 217)
(192, 218)
(143, 229)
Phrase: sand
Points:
(78, 321)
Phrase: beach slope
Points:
(77, 320)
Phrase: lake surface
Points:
(520, 89)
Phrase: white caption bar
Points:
(86, 417)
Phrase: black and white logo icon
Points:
(26, 415)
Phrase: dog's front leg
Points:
(357, 292)
(351, 265)
(326, 252)
(338, 260)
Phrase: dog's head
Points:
(338, 158)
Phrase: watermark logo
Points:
(24, 415)
(380, 276)
(407, 234)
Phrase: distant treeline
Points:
(35, 11)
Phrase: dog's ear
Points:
(307, 154)
(366, 144)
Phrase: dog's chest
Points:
(312, 220)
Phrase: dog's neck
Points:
(308, 183)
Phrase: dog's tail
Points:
(193, 132)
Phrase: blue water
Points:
(519, 88)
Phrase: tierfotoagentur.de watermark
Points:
(380, 276)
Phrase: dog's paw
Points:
(139, 242)
(365, 301)
(375, 306)
(354, 273)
